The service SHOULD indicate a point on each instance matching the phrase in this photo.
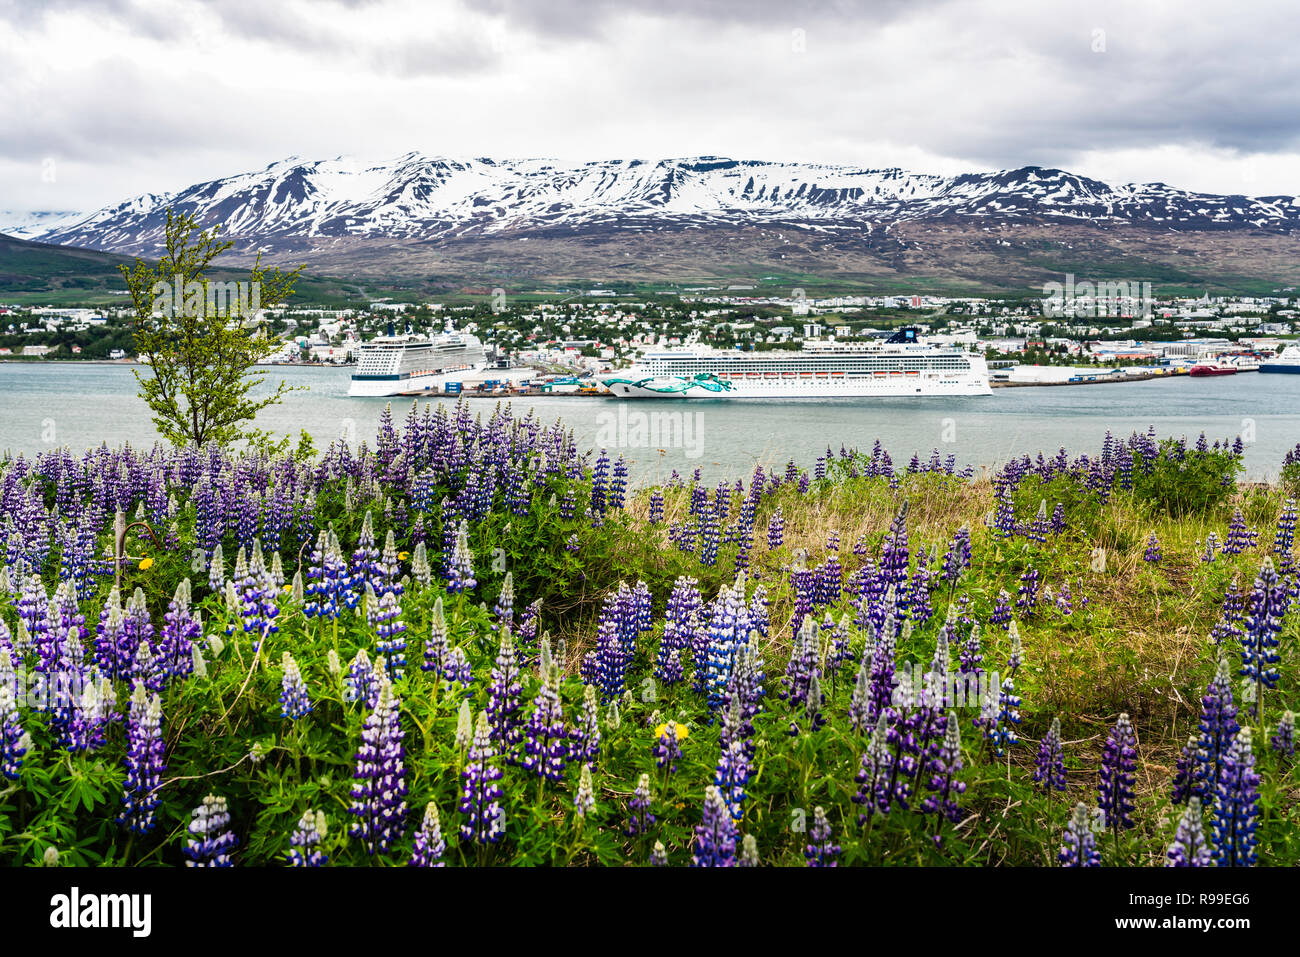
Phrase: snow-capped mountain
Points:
(306, 205)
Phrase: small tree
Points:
(200, 337)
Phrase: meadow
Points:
(471, 643)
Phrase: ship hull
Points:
(390, 385)
(1280, 369)
(919, 386)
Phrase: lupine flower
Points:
(1240, 537)
(464, 726)
(584, 799)
(1283, 741)
(429, 843)
(484, 818)
(957, 559)
(1152, 553)
(14, 741)
(360, 684)
(775, 531)
(504, 707)
(748, 852)
(1001, 611)
(821, 851)
(1049, 767)
(460, 571)
(1118, 761)
(1185, 771)
(212, 841)
(294, 701)
(860, 700)
(144, 762)
(944, 768)
(667, 750)
(545, 738)
(639, 816)
(658, 855)
(1190, 847)
(1262, 629)
(1028, 600)
(1079, 846)
(715, 835)
(304, 849)
(379, 788)
(1236, 806)
(385, 616)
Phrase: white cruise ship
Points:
(393, 365)
(901, 365)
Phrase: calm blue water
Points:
(81, 405)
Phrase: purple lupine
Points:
(14, 741)
(144, 762)
(1115, 787)
(1001, 611)
(361, 684)
(1027, 601)
(667, 750)
(365, 559)
(1190, 847)
(294, 700)
(1240, 536)
(484, 818)
(1079, 845)
(876, 766)
(656, 507)
(1263, 627)
(505, 705)
(460, 571)
(639, 817)
(329, 585)
(821, 850)
(944, 766)
(958, 558)
(181, 629)
(211, 842)
(1218, 728)
(1049, 766)
(1236, 806)
(429, 843)
(545, 736)
(1283, 740)
(437, 648)
(1185, 771)
(775, 530)
(1285, 537)
(584, 736)
(1152, 554)
(385, 617)
(304, 843)
(257, 593)
(379, 781)
(715, 835)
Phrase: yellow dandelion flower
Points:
(146, 564)
(403, 556)
(681, 731)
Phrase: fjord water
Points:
(81, 405)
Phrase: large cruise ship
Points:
(902, 365)
(393, 364)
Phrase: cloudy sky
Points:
(105, 99)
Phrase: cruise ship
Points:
(1288, 360)
(398, 364)
(902, 365)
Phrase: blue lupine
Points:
(545, 737)
(821, 850)
(944, 767)
(1079, 845)
(639, 816)
(1263, 627)
(361, 683)
(1049, 767)
(505, 706)
(304, 843)
(484, 821)
(460, 575)
(294, 700)
(1190, 847)
(14, 741)
(667, 749)
(144, 762)
(584, 736)
(715, 835)
(1236, 806)
(211, 842)
(1152, 554)
(1115, 788)
(379, 781)
(385, 616)
(429, 843)
(1283, 740)
(1218, 729)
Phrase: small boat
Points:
(1212, 368)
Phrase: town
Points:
(1027, 340)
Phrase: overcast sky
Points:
(105, 99)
